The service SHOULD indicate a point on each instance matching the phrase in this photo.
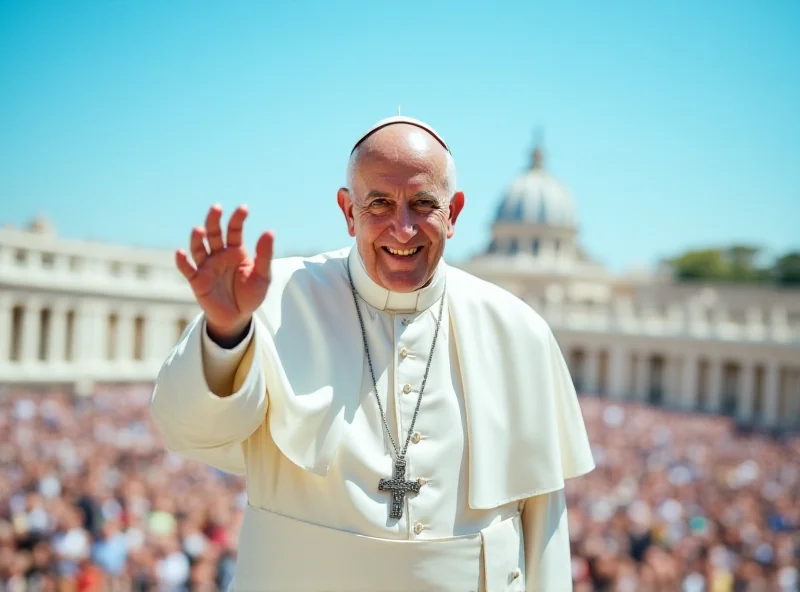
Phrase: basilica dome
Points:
(536, 197)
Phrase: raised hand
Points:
(228, 285)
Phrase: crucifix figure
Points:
(399, 487)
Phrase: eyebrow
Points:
(376, 193)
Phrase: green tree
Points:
(787, 269)
(740, 263)
(702, 264)
(736, 263)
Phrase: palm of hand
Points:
(228, 284)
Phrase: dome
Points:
(536, 197)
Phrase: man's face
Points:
(398, 208)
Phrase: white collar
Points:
(383, 299)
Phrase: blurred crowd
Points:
(684, 502)
(90, 501)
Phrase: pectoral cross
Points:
(399, 487)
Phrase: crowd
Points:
(90, 501)
(684, 502)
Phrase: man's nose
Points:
(405, 227)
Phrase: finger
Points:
(263, 259)
(213, 230)
(236, 226)
(198, 247)
(184, 265)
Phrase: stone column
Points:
(747, 391)
(591, 372)
(6, 326)
(672, 367)
(642, 380)
(618, 372)
(772, 385)
(153, 333)
(688, 384)
(90, 331)
(57, 338)
(125, 335)
(159, 328)
(714, 384)
(81, 332)
(30, 330)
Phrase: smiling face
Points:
(401, 206)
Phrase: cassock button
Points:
(418, 528)
(415, 438)
(403, 353)
(404, 322)
(407, 388)
(515, 574)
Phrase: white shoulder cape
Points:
(525, 428)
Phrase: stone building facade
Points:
(80, 313)
(644, 337)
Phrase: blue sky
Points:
(674, 124)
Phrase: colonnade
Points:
(84, 335)
(763, 390)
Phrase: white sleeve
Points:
(548, 563)
(220, 364)
(193, 420)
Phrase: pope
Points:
(402, 425)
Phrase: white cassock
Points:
(293, 408)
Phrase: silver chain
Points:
(372, 371)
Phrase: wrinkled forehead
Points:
(400, 181)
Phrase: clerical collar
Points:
(383, 299)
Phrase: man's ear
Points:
(456, 205)
(345, 202)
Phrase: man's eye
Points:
(379, 202)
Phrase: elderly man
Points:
(402, 424)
